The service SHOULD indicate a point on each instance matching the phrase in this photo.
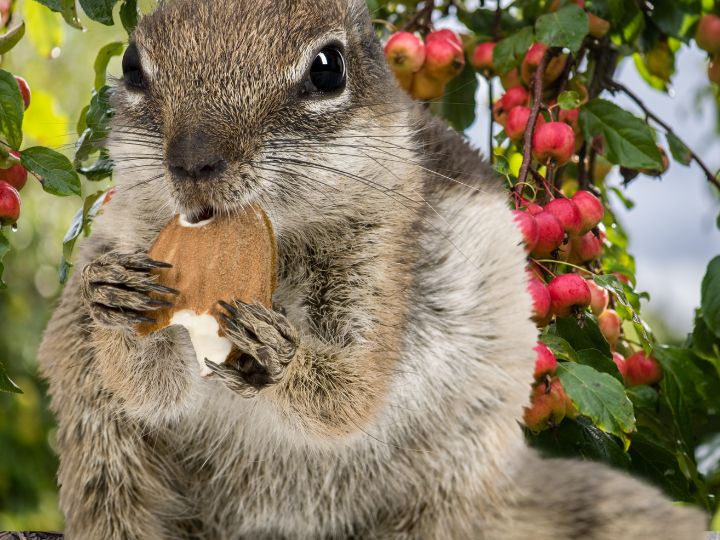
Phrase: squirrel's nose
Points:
(193, 156)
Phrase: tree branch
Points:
(614, 86)
(422, 20)
(537, 88)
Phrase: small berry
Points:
(569, 294)
(591, 210)
(511, 79)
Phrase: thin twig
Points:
(614, 86)
(537, 87)
(422, 20)
(490, 122)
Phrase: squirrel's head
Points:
(228, 102)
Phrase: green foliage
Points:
(566, 27)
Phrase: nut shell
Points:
(227, 258)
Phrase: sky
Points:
(672, 227)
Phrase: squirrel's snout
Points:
(194, 156)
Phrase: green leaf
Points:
(66, 8)
(509, 51)
(458, 105)
(624, 306)
(710, 296)
(569, 100)
(600, 397)
(103, 59)
(580, 438)
(560, 348)
(4, 249)
(599, 361)
(566, 27)
(55, 171)
(11, 38)
(583, 335)
(81, 222)
(100, 170)
(628, 140)
(97, 120)
(704, 342)
(129, 15)
(679, 151)
(6, 384)
(99, 10)
(12, 109)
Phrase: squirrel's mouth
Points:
(206, 213)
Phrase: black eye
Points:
(132, 70)
(327, 73)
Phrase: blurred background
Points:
(672, 228)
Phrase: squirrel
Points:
(384, 396)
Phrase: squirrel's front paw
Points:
(116, 288)
(265, 344)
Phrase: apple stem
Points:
(615, 86)
(422, 20)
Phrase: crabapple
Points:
(611, 326)
(708, 33)
(599, 297)
(550, 234)
(591, 210)
(9, 204)
(641, 369)
(597, 26)
(511, 79)
(532, 60)
(548, 402)
(714, 70)
(568, 214)
(529, 228)
(619, 360)
(569, 293)
(15, 175)
(444, 55)
(517, 121)
(482, 58)
(554, 140)
(514, 97)
(545, 361)
(426, 87)
(540, 295)
(405, 53)
(586, 248)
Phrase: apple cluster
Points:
(14, 175)
(707, 37)
(423, 68)
(549, 404)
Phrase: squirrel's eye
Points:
(327, 73)
(132, 70)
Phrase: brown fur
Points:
(386, 401)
